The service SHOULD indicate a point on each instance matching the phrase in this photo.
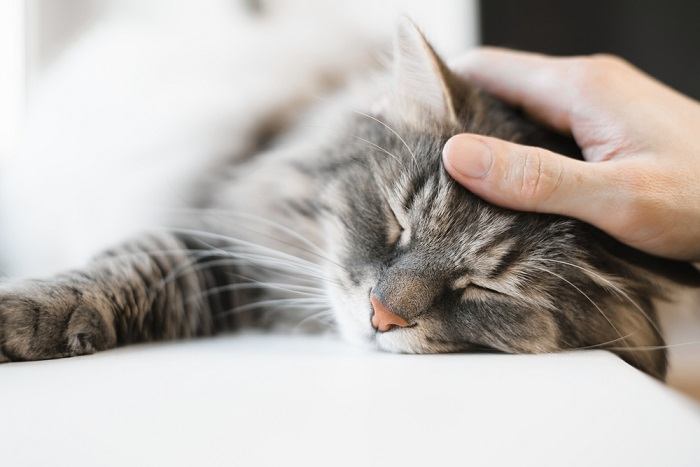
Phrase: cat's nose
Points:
(383, 319)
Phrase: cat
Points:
(347, 220)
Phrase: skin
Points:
(640, 178)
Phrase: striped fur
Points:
(301, 232)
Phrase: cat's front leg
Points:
(153, 288)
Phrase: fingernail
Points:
(468, 156)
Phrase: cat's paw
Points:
(42, 320)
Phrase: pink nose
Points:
(384, 320)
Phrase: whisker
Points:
(275, 224)
(600, 344)
(276, 303)
(379, 148)
(281, 262)
(359, 138)
(247, 260)
(582, 293)
(248, 285)
(657, 347)
(145, 253)
(316, 250)
(614, 287)
(316, 316)
(385, 125)
(238, 241)
(229, 258)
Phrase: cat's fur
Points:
(350, 201)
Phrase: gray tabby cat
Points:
(356, 222)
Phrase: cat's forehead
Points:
(403, 166)
(444, 213)
(397, 177)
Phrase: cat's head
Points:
(440, 269)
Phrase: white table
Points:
(313, 401)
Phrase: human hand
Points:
(641, 141)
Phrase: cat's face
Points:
(462, 274)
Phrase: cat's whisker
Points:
(291, 288)
(289, 260)
(230, 258)
(600, 344)
(394, 132)
(316, 250)
(578, 289)
(302, 303)
(155, 252)
(243, 260)
(237, 242)
(296, 286)
(359, 138)
(656, 347)
(326, 313)
(612, 286)
(622, 338)
(255, 258)
(379, 148)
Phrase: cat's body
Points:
(341, 207)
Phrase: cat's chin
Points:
(407, 341)
(368, 338)
(353, 333)
(401, 341)
(391, 342)
(412, 341)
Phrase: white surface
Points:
(270, 400)
(12, 74)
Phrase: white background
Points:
(33, 33)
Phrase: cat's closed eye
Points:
(466, 287)
(397, 232)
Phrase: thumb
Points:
(526, 178)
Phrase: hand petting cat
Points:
(640, 182)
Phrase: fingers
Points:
(527, 178)
(542, 85)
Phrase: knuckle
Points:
(595, 71)
(539, 177)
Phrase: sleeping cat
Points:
(348, 220)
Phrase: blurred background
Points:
(660, 37)
(34, 33)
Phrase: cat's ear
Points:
(422, 82)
